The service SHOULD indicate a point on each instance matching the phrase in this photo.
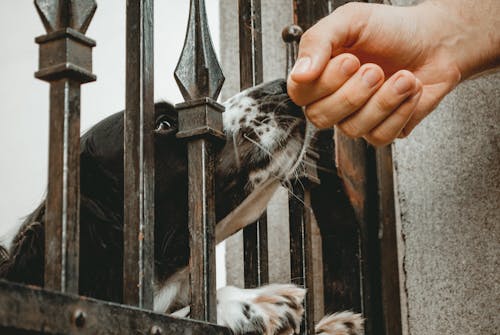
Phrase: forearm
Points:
(468, 30)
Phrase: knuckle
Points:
(317, 119)
(346, 99)
(379, 138)
(350, 129)
(383, 104)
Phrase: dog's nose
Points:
(275, 87)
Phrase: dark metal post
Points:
(138, 230)
(200, 80)
(387, 234)
(300, 210)
(65, 62)
(251, 73)
(340, 229)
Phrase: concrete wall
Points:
(449, 195)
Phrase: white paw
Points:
(270, 310)
(344, 323)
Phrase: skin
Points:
(375, 71)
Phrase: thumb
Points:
(321, 41)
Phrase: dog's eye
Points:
(163, 125)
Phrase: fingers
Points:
(366, 106)
(382, 104)
(394, 124)
(336, 73)
(350, 97)
(318, 43)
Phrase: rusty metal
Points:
(300, 209)
(362, 199)
(37, 311)
(138, 230)
(360, 268)
(307, 12)
(340, 228)
(388, 238)
(65, 62)
(256, 253)
(291, 36)
(198, 73)
(200, 80)
(255, 249)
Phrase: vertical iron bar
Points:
(340, 230)
(255, 253)
(200, 80)
(301, 253)
(202, 229)
(62, 232)
(138, 230)
(250, 33)
(66, 62)
(251, 73)
(389, 263)
(356, 164)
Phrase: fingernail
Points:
(349, 66)
(372, 77)
(302, 65)
(403, 84)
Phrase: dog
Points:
(267, 137)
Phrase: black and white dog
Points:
(267, 136)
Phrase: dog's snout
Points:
(271, 88)
(277, 86)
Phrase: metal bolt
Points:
(291, 33)
(155, 330)
(79, 318)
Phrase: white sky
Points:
(24, 99)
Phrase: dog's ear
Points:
(166, 123)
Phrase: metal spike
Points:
(60, 14)
(198, 73)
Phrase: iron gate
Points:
(372, 286)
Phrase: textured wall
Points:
(449, 189)
(449, 196)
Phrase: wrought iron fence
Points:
(370, 286)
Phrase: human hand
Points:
(411, 58)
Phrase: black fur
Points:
(101, 202)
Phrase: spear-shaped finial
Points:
(198, 72)
(60, 14)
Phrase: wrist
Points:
(464, 32)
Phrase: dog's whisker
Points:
(319, 167)
(260, 146)
(236, 152)
(298, 199)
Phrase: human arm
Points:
(376, 71)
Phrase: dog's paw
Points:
(344, 323)
(269, 310)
